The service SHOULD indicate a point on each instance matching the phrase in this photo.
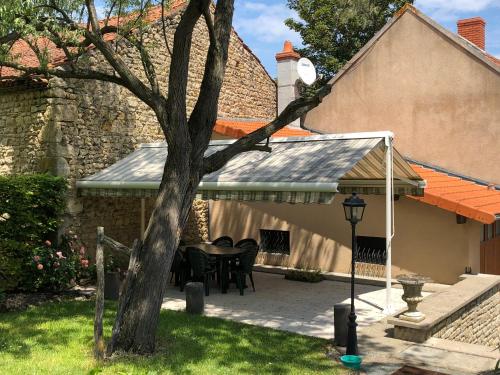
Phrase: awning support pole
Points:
(388, 310)
(143, 217)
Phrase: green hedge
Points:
(30, 209)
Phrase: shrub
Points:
(54, 268)
(313, 276)
(30, 206)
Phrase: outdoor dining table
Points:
(224, 254)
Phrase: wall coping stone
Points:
(439, 306)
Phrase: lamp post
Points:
(354, 208)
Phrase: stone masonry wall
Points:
(23, 131)
(197, 227)
(89, 125)
(479, 325)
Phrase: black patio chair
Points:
(245, 263)
(224, 241)
(180, 269)
(247, 244)
(201, 266)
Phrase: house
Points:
(440, 94)
(75, 131)
(73, 128)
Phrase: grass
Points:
(56, 338)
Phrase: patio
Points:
(300, 307)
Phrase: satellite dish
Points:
(306, 71)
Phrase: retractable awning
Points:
(298, 170)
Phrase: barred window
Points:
(275, 241)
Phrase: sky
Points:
(260, 23)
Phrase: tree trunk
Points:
(140, 303)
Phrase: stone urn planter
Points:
(112, 285)
(412, 295)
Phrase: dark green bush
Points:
(307, 276)
(30, 207)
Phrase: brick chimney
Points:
(472, 29)
(287, 78)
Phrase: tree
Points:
(334, 30)
(73, 26)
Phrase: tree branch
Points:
(210, 26)
(178, 134)
(164, 26)
(294, 110)
(73, 73)
(134, 84)
(147, 63)
(11, 37)
(94, 22)
(202, 119)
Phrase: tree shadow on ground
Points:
(185, 340)
(50, 326)
(187, 344)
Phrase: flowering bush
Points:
(30, 209)
(55, 268)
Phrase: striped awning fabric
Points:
(297, 170)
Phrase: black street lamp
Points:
(354, 207)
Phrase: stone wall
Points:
(23, 130)
(120, 218)
(479, 324)
(75, 128)
(197, 226)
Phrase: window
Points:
(491, 230)
(275, 241)
(371, 250)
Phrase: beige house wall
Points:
(427, 241)
(442, 103)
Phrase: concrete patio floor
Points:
(305, 308)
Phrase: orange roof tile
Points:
(458, 195)
(25, 55)
(239, 128)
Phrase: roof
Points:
(28, 57)
(298, 170)
(464, 197)
(487, 59)
(237, 128)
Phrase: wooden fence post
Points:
(99, 297)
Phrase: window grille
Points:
(275, 241)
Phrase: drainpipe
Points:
(389, 220)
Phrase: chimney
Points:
(287, 78)
(472, 29)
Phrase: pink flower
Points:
(56, 265)
(48, 243)
(39, 266)
(82, 250)
(36, 258)
(84, 263)
(60, 255)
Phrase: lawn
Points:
(56, 338)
